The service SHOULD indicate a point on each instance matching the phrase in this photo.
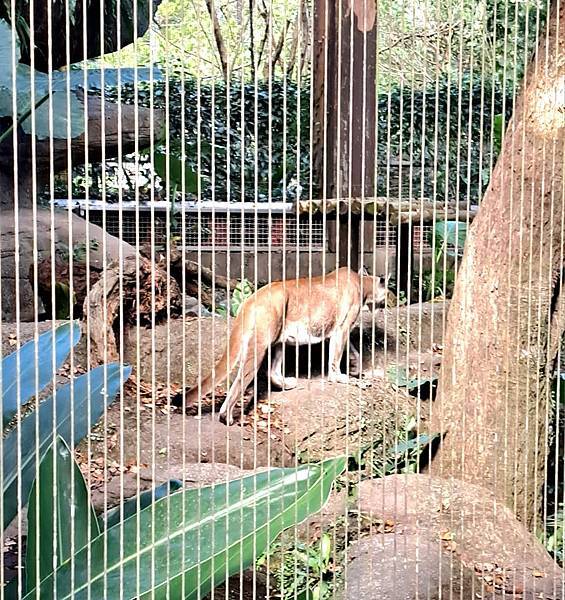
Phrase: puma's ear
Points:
(363, 271)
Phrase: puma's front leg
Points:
(276, 374)
(337, 343)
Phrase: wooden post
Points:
(345, 108)
(404, 258)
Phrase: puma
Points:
(297, 312)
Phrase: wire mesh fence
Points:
(281, 297)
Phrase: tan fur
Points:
(295, 312)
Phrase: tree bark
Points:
(505, 321)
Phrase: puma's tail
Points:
(220, 373)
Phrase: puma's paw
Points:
(225, 414)
(290, 383)
(226, 419)
(354, 370)
(338, 378)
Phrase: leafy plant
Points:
(553, 538)
(302, 571)
(182, 545)
(400, 378)
(402, 457)
(69, 412)
(79, 250)
(447, 240)
(242, 291)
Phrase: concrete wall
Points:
(272, 266)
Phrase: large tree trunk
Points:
(506, 321)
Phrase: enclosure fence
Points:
(281, 285)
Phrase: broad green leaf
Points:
(498, 132)
(96, 79)
(24, 81)
(130, 507)
(453, 233)
(174, 175)
(399, 378)
(10, 591)
(59, 507)
(61, 116)
(52, 350)
(194, 539)
(418, 442)
(7, 54)
(74, 410)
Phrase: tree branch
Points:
(220, 44)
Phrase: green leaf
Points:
(10, 591)
(452, 233)
(36, 360)
(174, 175)
(74, 408)
(61, 116)
(399, 378)
(59, 508)
(418, 442)
(497, 132)
(130, 507)
(193, 540)
(7, 53)
(325, 548)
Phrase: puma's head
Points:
(374, 289)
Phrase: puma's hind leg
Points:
(354, 361)
(251, 359)
(276, 373)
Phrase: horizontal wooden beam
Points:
(406, 210)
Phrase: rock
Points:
(193, 308)
(192, 476)
(173, 355)
(39, 225)
(404, 568)
(445, 533)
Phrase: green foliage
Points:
(48, 105)
(553, 538)
(187, 542)
(302, 571)
(242, 291)
(448, 241)
(66, 514)
(399, 378)
(253, 143)
(134, 505)
(497, 132)
(402, 457)
(69, 413)
(510, 32)
(34, 364)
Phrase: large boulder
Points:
(445, 537)
(42, 232)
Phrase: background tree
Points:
(507, 316)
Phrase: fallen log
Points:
(142, 293)
(199, 281)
